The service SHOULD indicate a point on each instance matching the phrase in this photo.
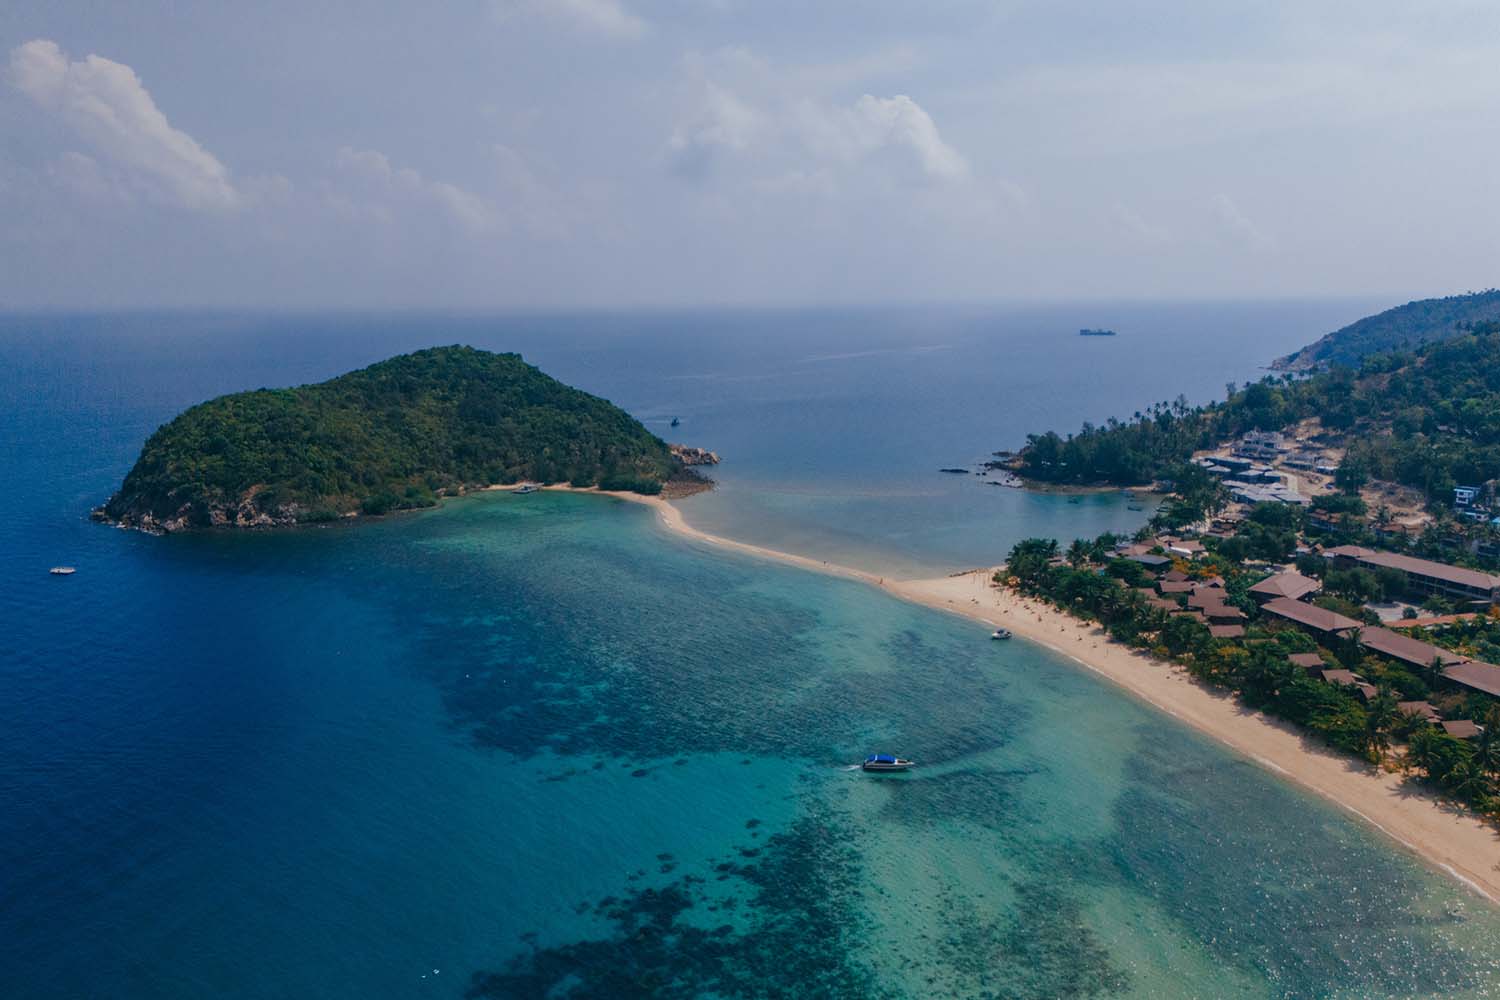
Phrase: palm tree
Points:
(1423, 749)
(1487, 744)
(1380, 717)
(1353, 649)
(1433, 674)
(1467, 780)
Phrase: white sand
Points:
(1451, 837)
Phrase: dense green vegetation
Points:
(394, 435)
(1403, 328)
(1430, 420)
(1090, 582)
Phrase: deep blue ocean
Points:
(529, 747)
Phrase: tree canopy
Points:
(392, 435)
(1429, 419)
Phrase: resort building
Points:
(1310, 616)
(1309, 663)
(1423, 575)
(1476, 674)
(1423, 708)
(1291, 585)
(1461, 728)
(1413, 652)
(1262, 445)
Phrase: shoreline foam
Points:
(1449, 837)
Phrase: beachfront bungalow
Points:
(1291, 585)
(1342, 678)
(1226, 631)
(1310, 616)
(1224, 614)
(1425, 709)
(1309, 663)
(1205, 599)
(1461, 728)
(1175, 586)
(1423, 575)
(1153, 563)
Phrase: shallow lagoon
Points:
(535, 740)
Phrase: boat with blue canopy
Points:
(886, 762)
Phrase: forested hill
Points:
(394, 435)
(1403, 328)
(1429, 419)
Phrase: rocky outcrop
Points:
(689, 455)
(244, 514)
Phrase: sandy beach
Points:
(1452, 838)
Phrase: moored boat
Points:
(526, 488)
(1000, 633)
(886, 762)
(62, 571)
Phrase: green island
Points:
(396, 435)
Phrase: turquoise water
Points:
(530, 741)
(521, 747)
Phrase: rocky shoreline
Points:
(245, 514)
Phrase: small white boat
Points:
(62, 571)
(1000, 633)
(886, 762)
(525, 488)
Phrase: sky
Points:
(619, 153)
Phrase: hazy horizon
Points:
(544, 154)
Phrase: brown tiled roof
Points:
(1175, 586)
(1343, 678)
(1421, 567)
(1404, 647)
(1462, 728)
(1307, 661)
(1310, 615)
(1293, 585)
(1226, 631)
(1206, 599)
(1422, 708)
(1369, 692)
(1225, 614)
(1476, 674)
(1175, 576)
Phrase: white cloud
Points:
(105, 103)
(1238, 224)
(789, 135)
(900, 121)
(382, 184)
(605, 17)
(722, 122)
(1138, 228)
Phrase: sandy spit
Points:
(1453, 839)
